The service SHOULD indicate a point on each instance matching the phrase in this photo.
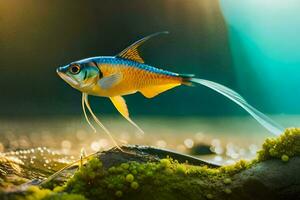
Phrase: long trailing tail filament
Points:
(265, 121)
(86, 102)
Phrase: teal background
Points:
(265, 48)
(251, 46)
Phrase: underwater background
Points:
(250, 46)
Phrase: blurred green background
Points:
(250, 46)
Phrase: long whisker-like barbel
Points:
(84, 112)
(99, 123)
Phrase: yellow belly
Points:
(133, 80)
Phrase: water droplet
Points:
(66, 144)
(189, 143)
(218, 150)
(218, 158)
(161, 143)
(95, 146)
(215, 142)
(253, 148)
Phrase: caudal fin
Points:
(186, 79)
(265, 121)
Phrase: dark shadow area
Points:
(38, 36)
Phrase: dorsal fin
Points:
(132, 52)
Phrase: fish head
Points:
(81, 75)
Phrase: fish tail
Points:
(186, 79)
(265, 121)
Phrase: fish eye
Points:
(74, 69)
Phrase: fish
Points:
(126, 73)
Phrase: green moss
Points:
(227, 181)
(165, 163)
(36, 193)
(119, 193)
(119, 181)
(227, 191)
(181, 169)
(125, 165)
(237, 167)
(209, 196)
(129, 178)
(134, 185)
(284, 158)
(287, 144)
(58, 189)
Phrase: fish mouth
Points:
(67, 78)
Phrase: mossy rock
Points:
(270, 179)
(143, 154)
(144, 173)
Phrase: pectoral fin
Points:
(153, 91)
(120, 104)
(109, 81)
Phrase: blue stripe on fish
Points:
(119, 61)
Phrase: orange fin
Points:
(153, 91)
(120, 104)
(132, 52)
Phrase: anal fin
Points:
(120, 104)
(153, 91)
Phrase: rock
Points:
(201, 149)
(138, 153)
(271, 179)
